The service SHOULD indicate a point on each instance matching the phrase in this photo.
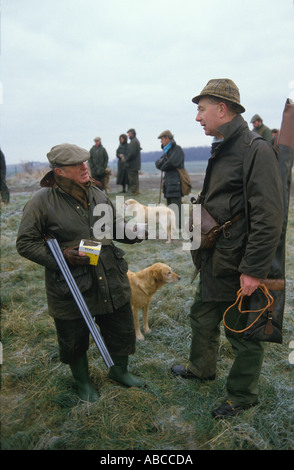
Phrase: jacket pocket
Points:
(82, 276)
(121, 262)
(227, 257)
(225, 262)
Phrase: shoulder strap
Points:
(253, 137)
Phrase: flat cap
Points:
(67, 154)
(256, 117)
(166, 133)
(221, 88)
(97, 139)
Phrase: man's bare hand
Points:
(74, 258)
(248, 284)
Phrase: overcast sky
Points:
(72, 70)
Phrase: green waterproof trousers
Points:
(242, 381)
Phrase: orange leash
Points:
(239, 300)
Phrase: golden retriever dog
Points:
(152, 215)
(144, 284)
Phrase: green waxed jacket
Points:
(133, 158)
(98, 161)
(252, 240)
(52, 212)
(168, 164)
(265, 132)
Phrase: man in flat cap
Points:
(98, 161)
(133, 162)
(172, 158)
(242, 184)
(64, 209)
(261, 128)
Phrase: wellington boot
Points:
(119, 372)
(80, 372)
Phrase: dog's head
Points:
(134, 209)
(131, 205)
(163, 273)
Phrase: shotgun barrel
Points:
(60, 260)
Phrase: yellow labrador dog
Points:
(144, 284)
(152, 215)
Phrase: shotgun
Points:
(59, 258)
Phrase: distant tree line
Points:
(191, 154)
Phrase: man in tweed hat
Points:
(241, 163)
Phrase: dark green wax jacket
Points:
(252, 243)
(169, 163)
(133, 158)
(52, 212)
(265, 132)
(98, 160)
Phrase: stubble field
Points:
(39, 406)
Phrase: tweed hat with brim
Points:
(67, 154)
(221, 88)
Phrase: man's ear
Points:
(58, 171)
(223, 109)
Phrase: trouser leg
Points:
(242, 381)
(205, 318)
(176, 201)
(117, 330)
(119, 334)
(133, 177)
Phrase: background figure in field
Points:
(121, 153)
(5, 195)
(133, 162)
(98, 161)
(260, 128)
(172, 158)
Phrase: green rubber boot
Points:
(80, 372)
(119, 372)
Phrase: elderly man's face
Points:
(78, 173)
(209, 115)
(165, 140)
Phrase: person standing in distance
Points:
(261, 128)
(98, 161)
(133, 162)
(172, 158)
